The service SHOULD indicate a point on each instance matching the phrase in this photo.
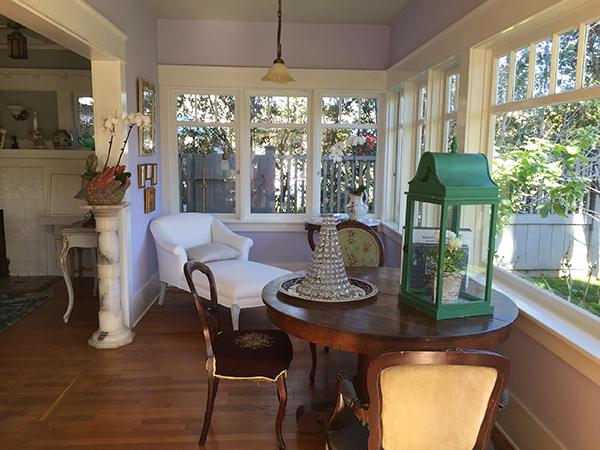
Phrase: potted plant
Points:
(453, 267)
(108, 186)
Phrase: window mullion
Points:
(580, 55)
(553, 65)
(531, 73)
(511, 76)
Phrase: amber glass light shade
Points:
(17, 45)
(278, 73)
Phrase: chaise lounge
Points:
(185, 236)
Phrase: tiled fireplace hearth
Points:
(36, 194)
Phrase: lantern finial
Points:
(454, 145)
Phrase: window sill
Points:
(568, 331)
(390, 229)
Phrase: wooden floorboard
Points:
(56, 392)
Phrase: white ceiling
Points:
(371, 12)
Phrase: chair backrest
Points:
(209, 316)
(186, 229)
(434, 399)
(360, 244)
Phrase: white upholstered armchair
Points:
(239, 281)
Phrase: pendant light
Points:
(278, 73)
(17, 43)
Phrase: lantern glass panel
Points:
(465, 252)
(426, 223)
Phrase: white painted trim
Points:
(566, 330)
(45, 80)
(523, 430)
(493, 18)
(390, 229)
(145, 298)
(249, 78)
(74, 24)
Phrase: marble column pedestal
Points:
(112, 332)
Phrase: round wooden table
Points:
(382, 323)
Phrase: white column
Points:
(112, 332)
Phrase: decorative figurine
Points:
(15, 144)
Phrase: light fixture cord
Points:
(279, 31)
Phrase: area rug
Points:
(14, 307)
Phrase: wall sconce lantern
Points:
(18, 112)
(447, 268)
(17, 43)
(278, 73)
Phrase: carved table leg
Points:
(64, 254)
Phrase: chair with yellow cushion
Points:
(259, 355)
(361, 246)
(421, 400)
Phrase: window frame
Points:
(75, 105)
(380, 126)
(247, 213)
(235, 125)
(541, 306)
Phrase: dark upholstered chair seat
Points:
(255, 354)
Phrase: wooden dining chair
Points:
(361, 246)
(259, 355)
(421, 400)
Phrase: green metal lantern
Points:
(451, 210)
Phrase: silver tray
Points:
(361, 290)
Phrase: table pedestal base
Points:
(310, 416)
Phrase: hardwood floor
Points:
(56, 392)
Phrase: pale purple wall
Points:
(141, 27)
(292, 248)
(421, 21)
(565, 401)
(251, 44)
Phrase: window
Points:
(343, 118)
(84, 117)
(278, 139)
(397, 194)
(451, 106)
(206, 129)
(555, 253)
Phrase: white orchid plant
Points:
(453, 254)
(109, 124)
(337, 155)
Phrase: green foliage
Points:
(560, 287)
(358, 190)
(543, 174)
(454, 255)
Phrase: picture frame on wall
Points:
(149, 200)
(147, 106)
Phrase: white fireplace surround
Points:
(36, 194)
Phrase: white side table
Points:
(76, 237)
